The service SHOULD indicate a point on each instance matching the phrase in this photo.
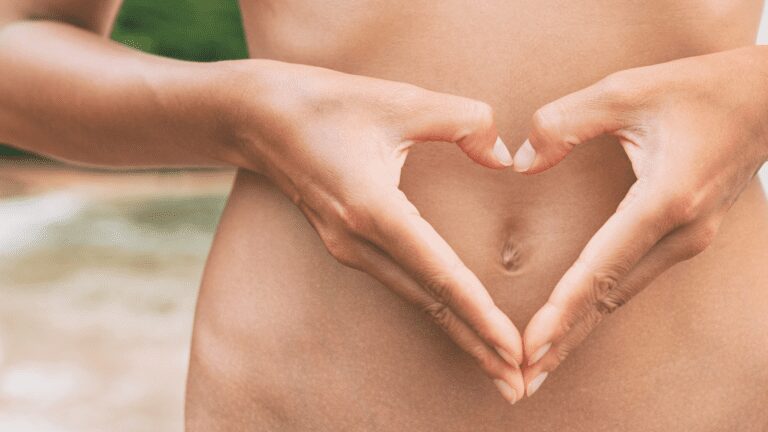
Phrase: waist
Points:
(334, 349)
(300, 342)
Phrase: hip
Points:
(285, 336)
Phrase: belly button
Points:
(511, 256)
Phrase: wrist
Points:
(253, 104)
(194, 105)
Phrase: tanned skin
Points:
(339, 127)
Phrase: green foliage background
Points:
(197, 30)
(200, 30)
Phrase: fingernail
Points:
(506, 390)
(536, 383)
(539, 353)
(509, 358)
(524, 157)
(501, 153)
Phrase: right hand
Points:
(335, 144)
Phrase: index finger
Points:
(415, 245)
(609, 256)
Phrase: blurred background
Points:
(99, 270)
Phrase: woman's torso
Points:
(288, 340)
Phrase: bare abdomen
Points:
(287, 339)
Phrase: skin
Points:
(245, 114)
(311, 347)
(319, 347)
(664, 117)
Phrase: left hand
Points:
(695, 131)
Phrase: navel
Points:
(512, 255)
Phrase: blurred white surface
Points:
(24, 218)
(98, 278)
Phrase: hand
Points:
(335, 144)
(694, 131)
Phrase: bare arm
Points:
(333, 143)
(69, 93)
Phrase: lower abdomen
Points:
(303, 343)
(287, 339)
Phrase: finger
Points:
(608, 257)
(423, 254)
(466, 122)
(679, 245)
(561, 125)
(662, 256)
(507, 377)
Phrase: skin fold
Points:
(339, 127)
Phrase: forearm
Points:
(70, 94)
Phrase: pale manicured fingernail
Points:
(539, 353)
(509, 358)
(501, 153)
(506, 390)
(536, 383)
(524, 157)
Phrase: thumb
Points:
(561, 125)
(466, 122)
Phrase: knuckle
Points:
(561, 355)
(603, 283)
(546, 121)
(399, 94)
(571, 341)
(440, 314)
(609, 303)
(579, 333)
(708, 232)
(602, 294)
(562, 351)
(357, 221)
(694, 247)
(590, 320)
(547, 127)
(682, 208)
(571, 318)
(483, 357)
(701, 239)
(616, 86)
(340, 248)
(437, 286)
(354, 215)
(440, 284)
(408, 93)
(482, 113)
